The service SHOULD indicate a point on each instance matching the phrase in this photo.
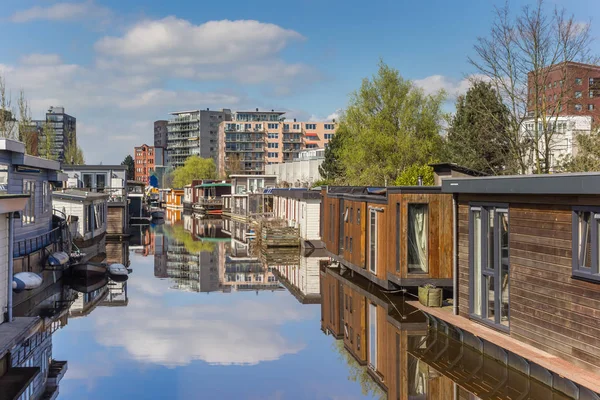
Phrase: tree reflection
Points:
(358, 373)
(178, 233)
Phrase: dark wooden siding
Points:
(548, 308)
(330, 239)
(330, 296)
(355, 319)
(116, 221)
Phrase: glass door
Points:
(490, 264)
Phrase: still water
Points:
(204, 315)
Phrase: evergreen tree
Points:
(128, 161)
(331, 169)
(477, 136)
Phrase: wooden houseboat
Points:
(405, 357)
(135, 199)
(394, 236)
(527, 268)
(109, 179)
(208, 197)
(250, 197)
(302, 209)
(86, 214)
(174, 198)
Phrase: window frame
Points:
(29, 186)
(408, 225)
(578, 271)
(373, 262)
(485, 271)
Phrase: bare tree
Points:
(527, 59)
(28, 133)
(8, 123)
(46, 148)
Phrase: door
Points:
(490, 264)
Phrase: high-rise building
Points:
(64, 127)
(160, 133)
(146, 159)
(194, 133)
(253, 139)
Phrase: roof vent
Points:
(257, 109)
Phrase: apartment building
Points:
(160, 133)
(254, 139)
(566, 89)
(64, 127)
(194, 133)
(146, 159)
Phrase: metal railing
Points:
(210, 202)
(27, 246)
(115, 194)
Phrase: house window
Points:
(87, 180)
(585, 243)
(358, 216)
(351, 216)
(100, 215)
(46, 196)
(331, 222)
(578, 95)
(29, 211)
(417, 237)
(311, 126)
(89, 218)
(372, 336)
(591, 94)
(373, 241)
(489, 264)
(590, 107)
(350, 245)
(578, 81)
(3, 178)
(578, 107)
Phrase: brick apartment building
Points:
(146, 159)
(567, 89)
(254, 139)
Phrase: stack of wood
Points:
(276, 233)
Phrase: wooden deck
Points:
(552, 363)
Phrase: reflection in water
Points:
(392, 352)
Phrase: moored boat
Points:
(89, 269)
(118, 272)
(26, 281)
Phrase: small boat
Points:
(118, 272)
(26, 281)
(87, 285)
(58, 259)
(157, 213)
(89, 269)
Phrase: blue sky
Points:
(119, 65)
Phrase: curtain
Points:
(417, 238)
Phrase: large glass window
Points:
(418, 226)
(490, 264)
(100, 181)
(29, 211)
(373, 336)
(586, 242)
(373, 241)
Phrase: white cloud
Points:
(41, 59)
(453, 87)
(62, 12)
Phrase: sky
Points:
(118, 66)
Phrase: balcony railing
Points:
(210, 202)
(27, 246)
(115, 194)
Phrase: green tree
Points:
(130, 164)
(477, 135)
(27, 130)
(331, 169)
(46, 145)
(359, 373)
(410, 176)
(389, 125)
(73, 153)
(194, 168)
(588, 155)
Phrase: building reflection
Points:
(200, 255)
(28, 369)
(392, 351)
(298, 271)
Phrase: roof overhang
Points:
(12, 202)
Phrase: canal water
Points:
(206, 315)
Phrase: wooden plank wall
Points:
(355, 307)
(330, 245)
(115, 220)
(330, 296)
(548, 308)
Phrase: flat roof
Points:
(377, 193)
(550, 184)
(93, 167)
(76, 194)
(260, 112)
(296, 193)
(252, 176)
(205, 185)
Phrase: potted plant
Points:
(430, 296)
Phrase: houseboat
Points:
(174, 199)
(301, 278)
(136, 205)
(398, 353)
(527, 273)
(189, 194)
(394, 236)
(301, 208)
(208, 197)
(250, 197)
(86, 214)
(109, 179)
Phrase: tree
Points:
(73, 154)
(331, 169)
(388, 126)
(130, 164)
(233, 164)
(8, 123)
(194, 168)
(28, 133)
(410, 176)
(477, 135)
(587, 158)
(521, 58)
(358, 373)
(46, 145)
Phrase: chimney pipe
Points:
(272, 110)
(207, 109)
(334, 120)
(256, 109)
(420, 180)
(294, 119)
